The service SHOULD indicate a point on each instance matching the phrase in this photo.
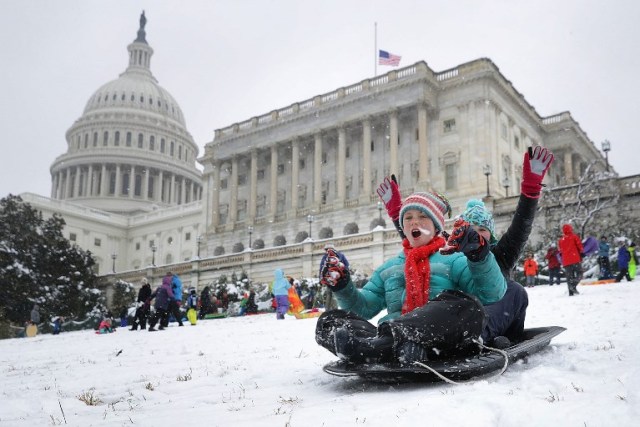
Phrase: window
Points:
(140, 140)
(347, 152)
(503, 131)
(137, 246)
(450, 177)
(162, 143)
(516, 141)
(280, 168)
(125, 184)
(128, 139)
(302, 164)
(152, 243)
(86, 140)
(449, 125)
(138, 185)
(97, 242)
(152, 143)
(223, 184)
(187, 236)
(324, 158)
(373, 148)
(170, 241)
(260, 174)
(171, 148)
(180, 152)
(105, 138)
(242, 179)
(116, 140)
(112, 183)
(73, 237)
(95, 139)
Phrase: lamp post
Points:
(506, 184)
(486, 169)
(113, 265)
(379, 210)
(310, 221)
(250, 229)
(153, 255)
(199, 242)
(606, 147)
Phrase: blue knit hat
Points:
(433, 205)
(477, 214)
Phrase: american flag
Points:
(386, 58)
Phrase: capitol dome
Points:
(130, 151)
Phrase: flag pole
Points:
(375, 49)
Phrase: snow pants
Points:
(605, 268)
(282, 306)
(506, 317)
(446, 325)
(554, 273)
(573, 273)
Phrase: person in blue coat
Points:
(433, 291)
(603, 259)
(280, 289)
(623, 262)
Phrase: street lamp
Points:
(506, 184)
(310, 219)
(379, 210)
(198, 242)
(153, 255)
(113, 266)
(606, 147)
(486, 169)
(250, 229)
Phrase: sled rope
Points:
(450, 381)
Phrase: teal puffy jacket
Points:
(386, 288)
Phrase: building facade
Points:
(275, 187)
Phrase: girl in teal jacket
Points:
(433, 292)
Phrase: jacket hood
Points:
(278, 273)
(567, 229)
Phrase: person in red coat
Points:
(553, 263)
(571, 250)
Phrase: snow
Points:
(255, 371)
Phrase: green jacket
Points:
(386, 288)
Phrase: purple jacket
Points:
(163, 295)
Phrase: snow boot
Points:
(410, 352)
(363, 350)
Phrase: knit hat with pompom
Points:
(477, 214)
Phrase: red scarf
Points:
(417, 273)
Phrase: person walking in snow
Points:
(530, 270)
(603, 259)
(633, 260)
(571, 252)
(176, 301)
(143, 306)
(163, 294)
(280, 289)
(623, 262)
(553, 264)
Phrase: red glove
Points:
(466, 240)
(334, 274)
(535, 166)
(389, 192)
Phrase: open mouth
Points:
(416, 233)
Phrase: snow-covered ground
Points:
(256, 371)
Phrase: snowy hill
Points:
(256, 371)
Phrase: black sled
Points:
(459, 369)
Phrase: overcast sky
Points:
(227, 61)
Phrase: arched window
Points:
(105, 138)
(152, 143)
(138, 185)
(128, 139)
(116, 140)
(95, 139)
(162, 144)
(125, 184)
(180, 152)
(171, 148)
(140, 140)
(86, 140)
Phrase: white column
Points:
(104, 181)
(253, 185)
(172, 190)
(317, 169)
(295, 171)
(366, 159)
(342, 138)
(76, 182)
(423, 156)
(568, 167)
(161, 196)
(145, 184)
(233, 191)
(116, 193)
(274, 180)
(215, 195)
(393, 142)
